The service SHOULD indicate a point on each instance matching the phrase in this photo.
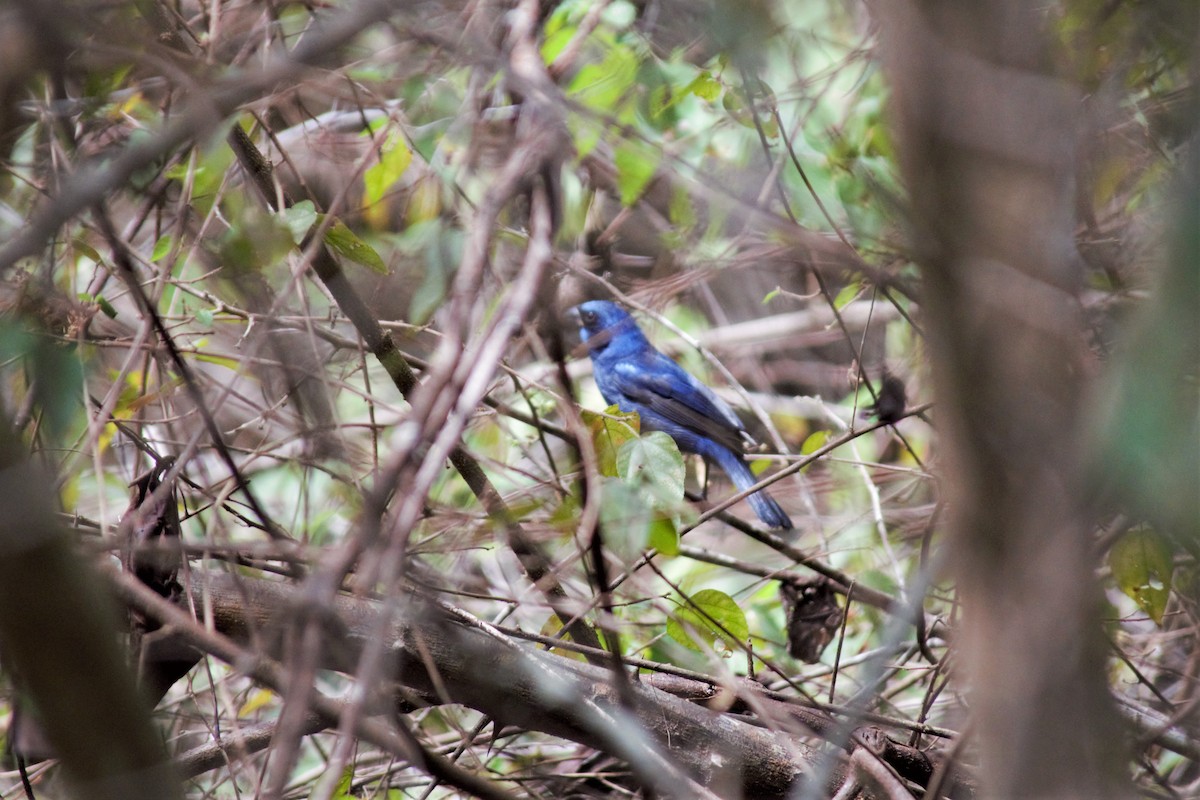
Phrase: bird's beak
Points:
(573, 316)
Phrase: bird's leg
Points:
(696, 475)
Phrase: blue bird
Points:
(633, 376)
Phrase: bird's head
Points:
(603, 323)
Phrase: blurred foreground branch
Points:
(988, 145)
(445, 659)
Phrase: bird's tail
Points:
(763, 504)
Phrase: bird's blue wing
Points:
(662, 387)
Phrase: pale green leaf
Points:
(299, 219)
(814, 443)
(682, 212)
(394, 159)
(428, 297)
(709, 618)
(625, 519)
(161, 247)
(653, 461)
(1142, 568)
(636, 165)
(556, 39)
(604, 85)
(663, 536)
(705, 86)
(847, 294)
(258, 699)
(223, 361)
(345, 785)
(87, 250)
(554, 629)
(610, 431)
(346, 243)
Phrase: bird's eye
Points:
(589, 318)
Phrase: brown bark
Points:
(448, 661)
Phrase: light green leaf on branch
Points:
(709, 618)
(1142, 568)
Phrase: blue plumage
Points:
(633, 376)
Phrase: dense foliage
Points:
(304, 266)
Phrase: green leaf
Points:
(759, 466)
(427, 298)
(1142, 567)
(344, 785)
(814, 443)
(378, 180)
(1147, 459)
(664, 537)
(204, 174)
(764, 105)
(255, 240)
(221, 361)
(847, 294)
(556, 38)
(605, 85)
(657, 96)
(704, 86)
(58, 382)
(585, 134)
(86, 249)
(424, 203)
(205, 317)
(635, 168)
(106, 307)
(99, 300)
(709, 618)
(681, 212)
(634, 519)
(258, 699)
(299, 219)
(643, 493)
(347, 244)
(610, 431)
(161, 247)
(54, 370)
(554, 628)
(564, 516)
(100, 81)
(439, 248)
(654, 462)
(625, 518)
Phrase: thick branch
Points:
(987, 138)
(441, 657)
